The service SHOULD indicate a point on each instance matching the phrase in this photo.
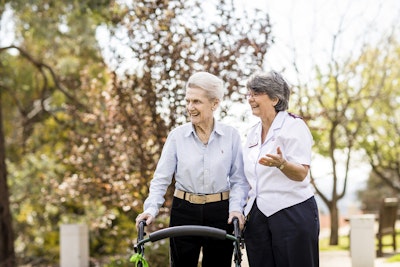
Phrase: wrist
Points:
(283, 164)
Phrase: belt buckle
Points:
(197, 199)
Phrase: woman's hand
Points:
(294, 171)
(144, 217)
(273, 160)
(239, 215)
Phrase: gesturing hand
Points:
(273, 160)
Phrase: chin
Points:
(194, 120)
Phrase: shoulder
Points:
(222, 128)
(184, 129)
(295, 126)
(295, 116)
(254, 126)
(294, 119)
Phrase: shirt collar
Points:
(275, 126)
(217, 128)
(278, 121)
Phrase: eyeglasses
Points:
(254, 94)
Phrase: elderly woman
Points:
(282, 225)
(205, 157)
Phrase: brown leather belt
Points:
(201, 199)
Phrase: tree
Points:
(382, 128)
(165, 43)
(35, 89)
(344, 92)
(338, 98)
(7, 253)
(99, 134)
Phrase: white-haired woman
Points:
(205, 158)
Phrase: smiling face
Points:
(261, 104)
(200, 108)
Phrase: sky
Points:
(304, 29)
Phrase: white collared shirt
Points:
(198, 168)
(273, 190)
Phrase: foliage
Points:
(345, 91)
(382, 127)
(83, 140)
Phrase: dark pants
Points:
(288, 238)
(185, 250)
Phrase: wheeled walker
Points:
(187, 230)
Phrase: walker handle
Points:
(141, 233)
(188, 230)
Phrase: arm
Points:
(239, 185)
(295, 160)
(161, 180)
(294, 171)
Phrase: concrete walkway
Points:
(340, 258)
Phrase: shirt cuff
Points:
(152, 211)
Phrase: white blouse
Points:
(273, 190)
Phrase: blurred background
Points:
(90, 89)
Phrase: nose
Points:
(189, 106)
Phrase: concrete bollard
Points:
(74, 245)
(362, 240)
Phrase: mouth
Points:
(194, 115)
(254, 106)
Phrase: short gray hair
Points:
(208, 82)
(274, 85)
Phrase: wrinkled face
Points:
(261, 104)
(199, 106)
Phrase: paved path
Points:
(340, 258)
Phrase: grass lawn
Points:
(344, 245)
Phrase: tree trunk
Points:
(334, 238)
(7, 253)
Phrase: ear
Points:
(275, 102)
(215, 104)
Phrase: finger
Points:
(241, 222)
(139, 218)
(149, 220)
(279, 151)
(230, 219)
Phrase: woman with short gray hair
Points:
(282, 225)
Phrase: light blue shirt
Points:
(198, 168)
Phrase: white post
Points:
(74, 245)
(362, 240)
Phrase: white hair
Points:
(208, 82)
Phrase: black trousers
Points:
(288, 238)
(185, 250)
